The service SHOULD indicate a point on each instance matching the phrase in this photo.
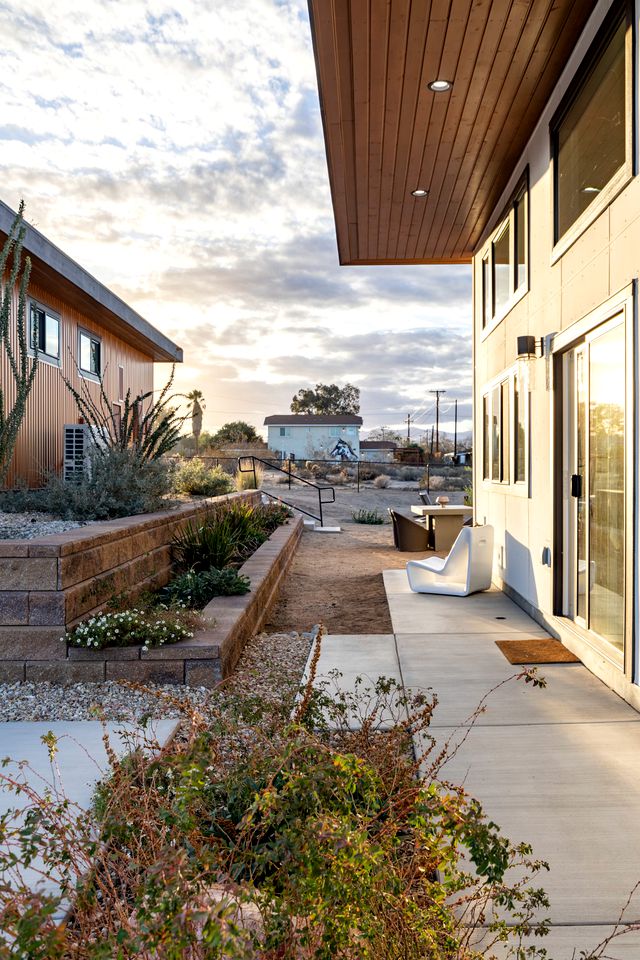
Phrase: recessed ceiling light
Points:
(419, 193)
(440, 86)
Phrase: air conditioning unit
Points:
(80, 442)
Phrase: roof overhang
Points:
(387, 133)
(55, 271)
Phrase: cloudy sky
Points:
(176, 152)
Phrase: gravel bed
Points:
(28, 526)
(270, 667)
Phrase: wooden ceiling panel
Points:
(386, 133)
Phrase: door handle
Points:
(576, 484)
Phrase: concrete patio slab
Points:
(488, 612)
(558, 767)
(467, 666)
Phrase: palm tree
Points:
(196, 397)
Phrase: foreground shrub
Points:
(118, 484)
(195, 589)
(127, 629)
(308, 844)
(367, 516)
(195, 478)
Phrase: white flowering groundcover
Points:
(127, 629)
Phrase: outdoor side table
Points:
(446, 522)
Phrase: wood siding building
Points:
(84, 321)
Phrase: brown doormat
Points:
(536, 651)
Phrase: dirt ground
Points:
(336, 579)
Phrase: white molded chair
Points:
(467, 568)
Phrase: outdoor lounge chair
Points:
(409, 535)
(467, 568)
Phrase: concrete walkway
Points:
(79, 763)
(558, 767)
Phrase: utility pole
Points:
(455, 427)
(408, 428)
(431, 449)
(437, 393)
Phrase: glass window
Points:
(487, 312)
(519, 431)
(520, 217)
(504, 431)
(589, 139)
(495, 434)
(502, 269)
(89, 354)
(486, 474)
(44, 333)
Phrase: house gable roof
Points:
(57, 272)
(313, 420)
(387, 133)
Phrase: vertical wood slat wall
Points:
(50, 404)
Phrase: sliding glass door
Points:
(595, 448)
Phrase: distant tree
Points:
(22, 369)
(196, 400)
(384, 433)
(235, 432)
(327, 398)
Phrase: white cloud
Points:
(176, 152)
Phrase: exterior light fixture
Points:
(440, 86)
(528, 347)
(590, 190)
(419, 193)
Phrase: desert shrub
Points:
(128, 628)
(326, 840)
(367, 516)
(195, 589)
(118, 484)
(411, 473)
(225, 536)
(245, 479)
(367, 473)
(194, 477)
(436, 483)
(273, 515)
(382, 481)
(338, 478)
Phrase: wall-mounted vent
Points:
(80, 441)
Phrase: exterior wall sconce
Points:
(528, 347)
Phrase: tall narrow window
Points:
(520, 217)
(487, 312)
(519, 431)
(486, 472)
(504, 432)
(589, 136)
(495, 434)
(120, 382)
(502, 269)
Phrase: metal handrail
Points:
(320, 488)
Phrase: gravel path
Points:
(270, 667)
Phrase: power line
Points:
(437, 393)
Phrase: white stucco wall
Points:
(603, 261)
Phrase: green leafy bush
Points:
(194, 477)
(195, 589)
(118, 484)
(367, 516)
(127, 629)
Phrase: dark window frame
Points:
(491, 316)
(94, 338)
(43, 354)
(621, 10)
